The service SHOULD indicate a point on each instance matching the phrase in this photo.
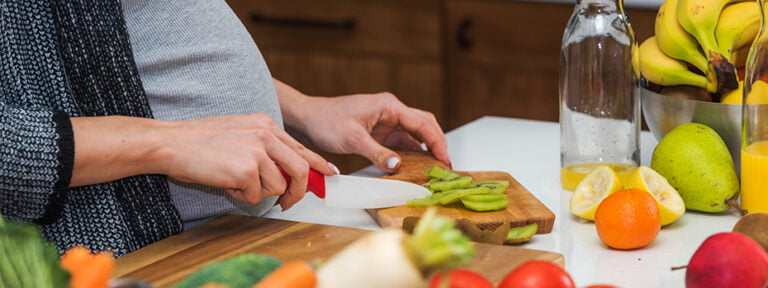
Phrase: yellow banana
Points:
(737, 27)
(674, 40)
(699, 17)
(661, 69)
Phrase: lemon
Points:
(671, 205)
(597, 185)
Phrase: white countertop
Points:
(530, 152)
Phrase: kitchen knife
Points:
(344, 191)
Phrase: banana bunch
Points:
(700, 43)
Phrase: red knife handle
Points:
(315, 181)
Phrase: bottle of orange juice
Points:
(599, 92)
(754, 144)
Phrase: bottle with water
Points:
(599, 92)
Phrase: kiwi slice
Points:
(484, 197)
(437, 172)
(485, 206)
(754, 226)
(522, 234)
(430, 200)
(443, 185)
(496, 186)
(455, 195)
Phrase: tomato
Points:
(459, 278)
(537, 274)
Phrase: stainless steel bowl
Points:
(663, 113)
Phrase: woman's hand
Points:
(238, 153)
(362, 124)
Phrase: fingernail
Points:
(392, 162)
(334, 168)
(424, 147)
(284, 207)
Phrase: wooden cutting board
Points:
(170, 260)
(523, 208)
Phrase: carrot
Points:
(87, 270)
(294, 274)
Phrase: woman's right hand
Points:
(237, 153)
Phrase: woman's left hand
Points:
(364, 124)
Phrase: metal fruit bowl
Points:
(663, 113)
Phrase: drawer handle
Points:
(343, 25)
(461, 34)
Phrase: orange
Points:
(628, 219)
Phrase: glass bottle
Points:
(754, 141)
(599, 92)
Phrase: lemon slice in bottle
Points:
(597, 185)
(671, 205)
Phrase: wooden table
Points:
(172, 259)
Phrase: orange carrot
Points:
(87, 270)
(294, 274)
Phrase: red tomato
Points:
(537, 274)
(459, 278)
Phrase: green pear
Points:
(695, 161)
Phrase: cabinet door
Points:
(504, 57)
(337, 47)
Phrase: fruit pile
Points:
(691, 168)
(701, 43)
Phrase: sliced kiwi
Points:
(496, 186)
(522, 234)
(437, 172)
(455, 195)
(484, 197)
(430, 200)
(443, 185)
(754, 225)
(485, 206)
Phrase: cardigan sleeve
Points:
(37, 152)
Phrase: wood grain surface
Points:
(523, 208)
(167, 262)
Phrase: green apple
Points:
(695, 161)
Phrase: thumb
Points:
(382, 157)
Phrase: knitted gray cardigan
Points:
(62, 59)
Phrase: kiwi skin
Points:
(754, 225)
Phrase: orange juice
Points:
(571, 175)
(754, 180)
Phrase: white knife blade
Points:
(343, 191)
(354, 192)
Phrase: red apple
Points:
(728, 260)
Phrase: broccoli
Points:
(240, 271)
(26, 260)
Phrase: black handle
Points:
(461, 34)
(343, 25)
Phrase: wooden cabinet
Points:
(459, 59)
(337, 47)
(503, 57)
